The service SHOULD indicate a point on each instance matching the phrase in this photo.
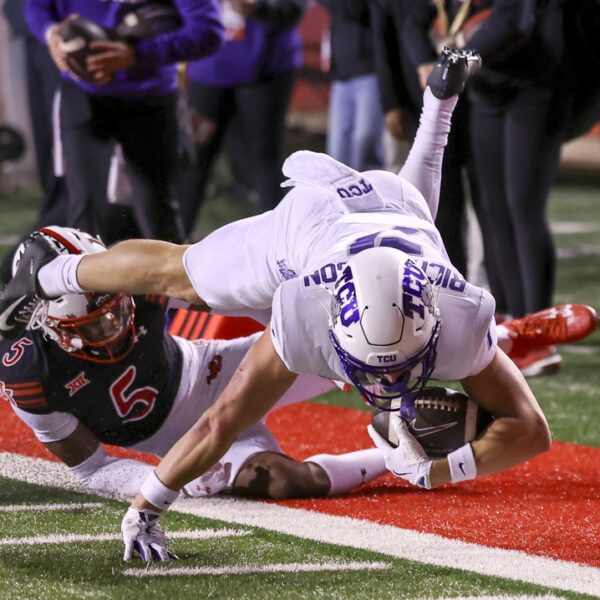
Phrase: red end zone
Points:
(547, 507)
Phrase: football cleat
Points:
(561, 324)
(451, 71)
(22, 293)
(543, 360)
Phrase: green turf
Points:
(95, 570)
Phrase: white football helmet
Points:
(385, 320)
(95, 327)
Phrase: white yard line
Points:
(55, 506)
(544, 597)
(69, 538)
(253, 569)
(400, 543)
(365, 535)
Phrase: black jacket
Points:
(522, 41)
(351, 47)
(398, 82)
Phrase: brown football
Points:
(444, 420)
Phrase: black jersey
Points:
(123, 403)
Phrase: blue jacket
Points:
(155, 72)
(270, 45)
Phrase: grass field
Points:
(313, 550)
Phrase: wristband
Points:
(462, 464)
(157, 493)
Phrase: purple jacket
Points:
(155, 73)
(264, 51)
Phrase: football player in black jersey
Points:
(98, 368)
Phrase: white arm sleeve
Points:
(52, 427)
(116, 477)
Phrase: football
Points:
(148, 21)
(76, 36)
(444, 420)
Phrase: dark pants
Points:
(148, 133)
(259, 110)
(516, 139)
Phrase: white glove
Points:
(142, 533)
(408, 461)
(215, 480)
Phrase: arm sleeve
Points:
(116, 477)
(280, 13)
(40, 15)
(202, 34)
(51, 427)
(386, 55)
(510, 24)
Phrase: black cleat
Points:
(451, 71)
(22, 293)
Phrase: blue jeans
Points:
(355, 135)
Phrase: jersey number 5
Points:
(136, 405)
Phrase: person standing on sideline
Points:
(355, 127)
(130, 99)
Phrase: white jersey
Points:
(288, 260)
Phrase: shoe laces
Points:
(38, 313)
(28, 310)
(530, 327)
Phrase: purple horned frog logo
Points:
(285, 271)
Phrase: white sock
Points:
(423, 167)
(348, 471)
(59, 276)
(504, 340)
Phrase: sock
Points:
(423, 167)
(348, 471)
(504, 340)
(59, 276)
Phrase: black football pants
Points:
(516, 140)
(148, 133)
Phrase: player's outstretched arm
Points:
(260, 380)
(138, 267)
(520, 430)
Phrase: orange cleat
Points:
(561, 324)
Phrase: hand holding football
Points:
(444, 420)
(75, 36)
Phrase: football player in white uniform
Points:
(101, 368)
(354, 282)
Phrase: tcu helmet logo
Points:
(345, 298)
(357, 189)
(417, 295)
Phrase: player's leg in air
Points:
(423, 167)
